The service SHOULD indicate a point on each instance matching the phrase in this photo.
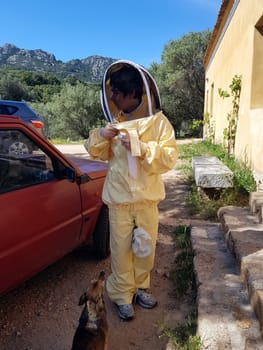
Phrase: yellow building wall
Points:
(240, 52)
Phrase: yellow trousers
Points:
(128, 273)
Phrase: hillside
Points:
(88, 69)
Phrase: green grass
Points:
(182, 274)
(183, 336)
(59, 141)
(206, 204)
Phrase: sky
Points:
(135, 30)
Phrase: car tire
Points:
(101, 234)
(19, 148)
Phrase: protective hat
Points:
(150, 90)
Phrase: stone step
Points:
(256, 205)
(226, 319)
(244, 238)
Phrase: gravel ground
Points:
(42, 314)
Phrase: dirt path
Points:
(42, 314)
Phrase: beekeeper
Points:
(139, 144)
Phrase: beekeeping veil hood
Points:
(150, 90)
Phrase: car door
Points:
(40, 211)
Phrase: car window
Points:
(18, 168)
(9, 110)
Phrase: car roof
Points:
(25, 111)
(13, 102)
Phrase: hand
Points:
(108, 132)
(125, 141)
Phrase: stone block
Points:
(210, 172)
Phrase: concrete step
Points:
(244, 238)
(226, 319)
(256, 205)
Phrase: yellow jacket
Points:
(153, 152)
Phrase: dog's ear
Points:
(83, 298)
(102, 276)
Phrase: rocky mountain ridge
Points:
(88, 69)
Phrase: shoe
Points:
(125, 312)
(144, 299)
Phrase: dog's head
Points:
(93, 298)
(92, 329)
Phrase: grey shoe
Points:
(125, 312)
(145, 299)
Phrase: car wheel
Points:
(101, 235)
(19, 147)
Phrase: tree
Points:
(30, 86)
(181, 79)
(12, 89)
(73, 112)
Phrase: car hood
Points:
(93, 168)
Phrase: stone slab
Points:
(210, 172)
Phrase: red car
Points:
(50, 204)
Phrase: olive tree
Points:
(12, 89)
(73, 112)
(181, 79)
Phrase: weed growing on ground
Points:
(183, 273)
(183, 336)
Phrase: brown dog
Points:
(92, 331)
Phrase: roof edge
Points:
(222, 17)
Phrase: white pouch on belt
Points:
(141, 243)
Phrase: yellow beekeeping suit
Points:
(133, 186)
